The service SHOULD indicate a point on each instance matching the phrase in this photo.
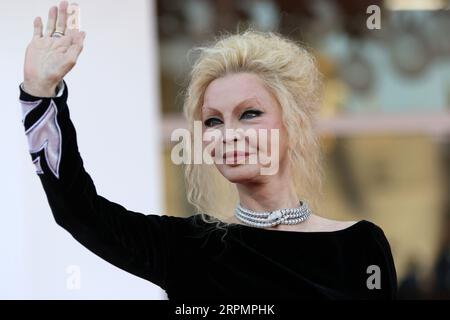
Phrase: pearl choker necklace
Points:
(269, 219)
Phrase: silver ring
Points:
(57, 34)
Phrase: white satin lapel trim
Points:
(44, 134)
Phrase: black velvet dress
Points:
(191, 259)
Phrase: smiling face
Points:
(241, 101)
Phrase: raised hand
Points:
(49, 58)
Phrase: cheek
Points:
(273, 137)
(210, 144)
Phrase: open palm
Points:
(48, 58)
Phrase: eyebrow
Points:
(251, 99)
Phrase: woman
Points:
(274, 245)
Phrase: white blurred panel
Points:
(114, 104)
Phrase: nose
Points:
(232, 135)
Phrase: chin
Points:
(240, 173)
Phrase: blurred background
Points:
(384, 127)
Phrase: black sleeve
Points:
(386, 263)
(132, 241)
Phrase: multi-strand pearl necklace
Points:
(267, 219)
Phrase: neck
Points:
(275, 192)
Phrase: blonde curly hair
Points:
(289, 71)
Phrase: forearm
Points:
(53, 147)
(54, 151)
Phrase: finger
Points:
(61, 20)
(71, 33)
(37, 23)
(51, 21)
(73, 16)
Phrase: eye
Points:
(250, 114)
(211, 122)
